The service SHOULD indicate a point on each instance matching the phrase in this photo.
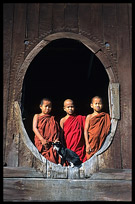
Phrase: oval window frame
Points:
(91, 165)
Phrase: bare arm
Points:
(88, 149)
(61, 123)
(62, 132)
(35, 130)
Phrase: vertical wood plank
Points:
(110, 26)
(108, 158)
(124, 70)
(32, 20)
(90, 19)
(84, 11)
(18, 31)
(71, 16)
(18, 46)
(123, 12)
(112, 157)
(32, 24)
(7, 41)
(58, 16)
(45, 18)
(96, 20)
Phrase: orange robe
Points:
(98, 130)
(49, 129)
(73, 129)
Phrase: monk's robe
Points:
(49, 129)
(97, 132)
(73, 129)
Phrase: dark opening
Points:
(65, 68)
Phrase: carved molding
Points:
(104, 54)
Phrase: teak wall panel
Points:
(108, 22)
(123, 11)
(110, 27)
(110, 36)
(124, 71)
(7, 41)
(71, 16)
(109, 13)
(84, 11)
(90, 19)
(18, 46)
(96, 20)
(45, 18)
(32, 21)
(58, 16)
(112, 157)
(18, 30)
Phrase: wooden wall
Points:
(32, 21)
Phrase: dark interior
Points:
(65, 68)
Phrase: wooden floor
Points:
(24, 184)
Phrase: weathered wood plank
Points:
(32, 21)
(55, 171)
(84, 17)
(18, 31)
(25, 156)
(20, 172)
(58, 16)
(18, 34)
(109, 13)
(45, 18)
(113, 174)
(124, 50)
(114, 100)
(38, 189)
(108, 158)
(96, 20)
(39, 162)
(123, 11)
(110, 27)
(71, 16)
(7, 42)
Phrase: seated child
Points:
(73, 130)
(97, 126)
(46, 131)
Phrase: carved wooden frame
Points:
(104, 54)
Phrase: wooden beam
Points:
(109, 185)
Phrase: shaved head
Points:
(95, 98)
(67, 101)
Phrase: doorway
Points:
(65, 68)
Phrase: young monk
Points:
(73, 130)
(97, 126)
(46, 130)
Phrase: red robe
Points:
(73, 129)
(98, 130)
(49, 129)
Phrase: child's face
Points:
(69, 107)
(97, 104)
(46, 107)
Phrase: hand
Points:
(88, 149)
(44, 141)
(57, 140)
